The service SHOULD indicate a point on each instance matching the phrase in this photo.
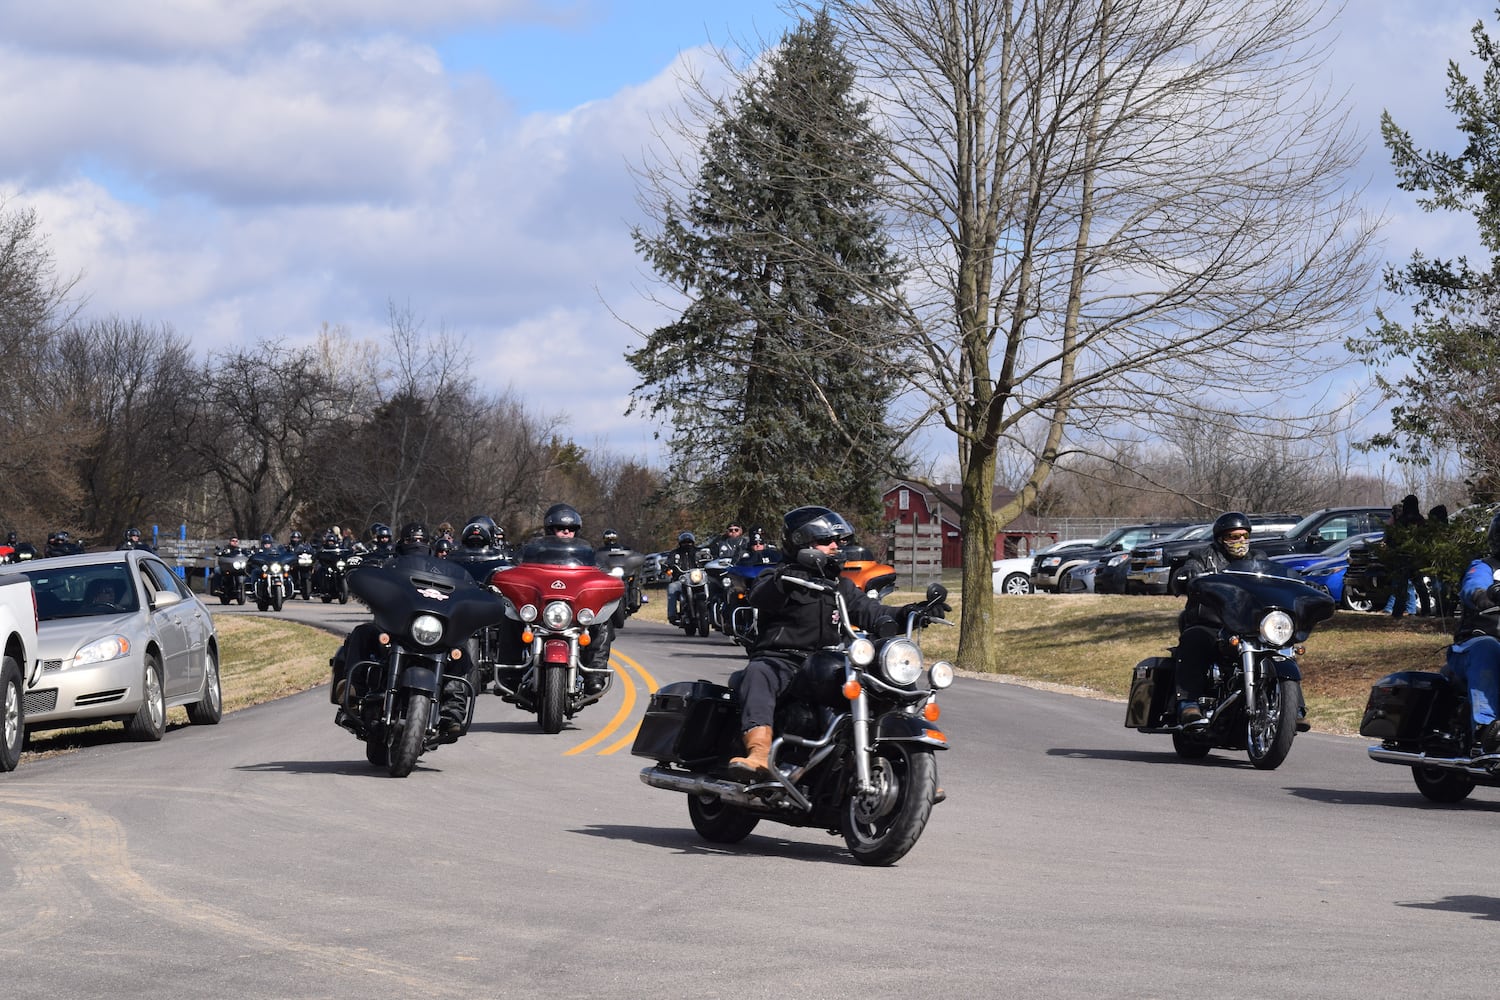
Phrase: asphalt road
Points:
(1074, 858)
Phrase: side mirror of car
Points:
(165, 599)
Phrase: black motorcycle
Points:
(1255, 700)
(693, 607)
(330, 579)
(270, 579)
(388, 677)
(854, 752)
(626, 565)
(232, 581)
(1422, 720)
(302, 560)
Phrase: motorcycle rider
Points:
(380, 543)
(794, 622)
(679, 561)
(730, 544)
(1198, 638)
(60, 543)
(564, 522)
(1474, 657)
(759, 552)
(132, 540)
(611, 540)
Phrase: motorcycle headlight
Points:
(1276, 629)
(901, 662)
(695, 576)
(340, 564)
(862, 652)
(527, 612)
(557, 615)
(239, 564)
(111, 647)
(618, 571)
(426, 629)
(940, 674)
(276, 567)
(585, 616)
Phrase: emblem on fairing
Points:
(431, 594)
(559, 585)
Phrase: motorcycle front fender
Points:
(1286, 668)
(898, 727)
(417, 677)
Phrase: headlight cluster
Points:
(426, 629)
(1116, 560)
(941, 674)
(277, 568)
(901, 662)
(557, 615)
(695, 576)
(1276, 629)
(111, 647)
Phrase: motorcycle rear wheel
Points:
(406, 742)
(881, 827)
(1271, 723)
(717, 821)
(1438, 784)
(1189, 748)
(552, 698)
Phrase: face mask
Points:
(1238, 548)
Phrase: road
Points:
(1073, 858)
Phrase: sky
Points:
(253, 169)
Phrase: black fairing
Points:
(480, 570)
(1238, 601)
(627, 559)
(419, 584)
(553, 551)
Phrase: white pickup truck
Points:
(18, 628)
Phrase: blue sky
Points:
(256, 170)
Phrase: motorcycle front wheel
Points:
(880, 826)
(278, 599)
(343, 590)
(719, 822)
(552, 698)
(1271, 722)
(406, 742)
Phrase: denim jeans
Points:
(1476, 663)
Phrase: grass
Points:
(261, 659)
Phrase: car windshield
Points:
(82, 591)
(1190, 532)
(1113, 537)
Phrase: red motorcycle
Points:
(562, 604)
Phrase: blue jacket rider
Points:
(1474, 657)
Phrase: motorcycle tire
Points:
(239, 598)
(717, 821)
(1190, 747)
(618, 618)
(261, 603)
(327, 598)
(881, 827)
(1271, 723)
(224, 597)
(343, 591)
(406, 744)
(1438, 784)
(376, 751)
(552, 699)
(278, 600)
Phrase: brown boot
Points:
(757, 749)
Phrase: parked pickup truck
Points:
(18, 627)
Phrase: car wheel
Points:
(12, 717)
(209, 709)
(149, 723)
(1016, 583)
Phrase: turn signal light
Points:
(384, 639)
(526, 637)
(852, 689)
(935, 734)
(931, 712)
(455, 654)
(583, 640)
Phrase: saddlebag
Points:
(1401, 703)
(1153, 685)
(687, 723)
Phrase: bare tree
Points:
(1105, 205)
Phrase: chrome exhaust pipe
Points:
(1405, 757)
(731, 792)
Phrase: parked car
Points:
(1322, 528)
(1337, 552)
(119, 637)
(1012, 576)
(1055, 571)
(1154, 565)
(654, 569)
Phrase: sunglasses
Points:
(1237, 536)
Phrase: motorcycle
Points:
(231, 582)
(693, 608)
(625, 564)
(855, 750)
(331, 577)
(423, 614)
(270, 576)
(740, 619)
(874, 578)
(302, 561)
(1255, 700)
(716, 572)
(1422, 720)
(562, 603)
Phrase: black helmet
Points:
(686, 538)
(414, 532)
(380, 532)
(330, 537)
(560, 516)
(1494, 538)
(1230, 521)
(133, 534)
(266, 541)
(442, 547)
(610, 536)
(758, 536)
(479, 533)
(806, 526)
(296, 538)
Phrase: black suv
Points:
(1322, 528)
(1055, 572)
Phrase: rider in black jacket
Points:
(794, 621)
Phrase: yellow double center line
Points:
(627, 707)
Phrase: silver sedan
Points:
(120, 637)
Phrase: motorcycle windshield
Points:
(480, 570)
(558, 552)
(415, 585)
(1239, 599)
(628, 560)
